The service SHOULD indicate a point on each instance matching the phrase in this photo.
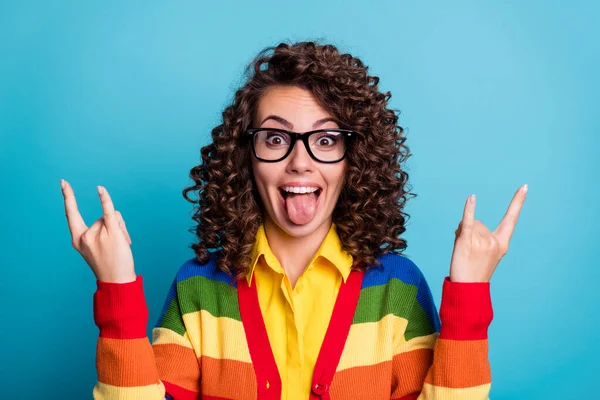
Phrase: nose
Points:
(299, 160)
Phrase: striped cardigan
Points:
(210, 342)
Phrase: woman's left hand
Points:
(477, 251)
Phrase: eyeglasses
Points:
(323, 145)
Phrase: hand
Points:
(105, 246)
(477, 251)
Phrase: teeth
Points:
(297, 189)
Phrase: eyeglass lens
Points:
(326, 145)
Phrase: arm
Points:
(128, 365)
(455, 365)
(451, 363)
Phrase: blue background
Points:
(124, 94)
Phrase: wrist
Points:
(118, 279)
(468, 279)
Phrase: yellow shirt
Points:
(297, 319)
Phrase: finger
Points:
(123, 226)
(468, 215)
(108, 209)
(506, 227)
(76, 223)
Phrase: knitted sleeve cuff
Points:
(466, 310)
(120, 309)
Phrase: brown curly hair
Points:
(369, 213)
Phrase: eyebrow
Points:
(289, 125)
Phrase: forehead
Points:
(290, 102)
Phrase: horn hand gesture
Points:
(477, 251)
(105, 245)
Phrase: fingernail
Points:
(100, 190)
(525, 187)
(62, 183)
(472, 199)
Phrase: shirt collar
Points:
(330, 249)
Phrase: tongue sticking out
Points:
(301, 208)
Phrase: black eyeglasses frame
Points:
(295, 136)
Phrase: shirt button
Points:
(268, 384)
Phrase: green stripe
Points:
(200, 293)
(419, 323)
(172, 318)
(397, 298)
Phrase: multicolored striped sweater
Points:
(385, 339)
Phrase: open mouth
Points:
(283, 195)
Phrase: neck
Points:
(294, 252)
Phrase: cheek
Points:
(258, 173)
(265, 176)
(340, 174)
(336, 178)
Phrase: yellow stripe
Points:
(223, 337)
(438, 392)
(362, 349)
(102, 391)
(359, 351)
(167, 336)
(419, 342)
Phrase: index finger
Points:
(468, 215)
(76, 223)
(507, 226)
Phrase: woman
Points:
(298, 289)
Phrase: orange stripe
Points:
(228, 378)
(409, 370)
(357, 382)
(179, 365)
(137, 354)
(460, 364)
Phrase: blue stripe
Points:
(393, 266)
(192, 268)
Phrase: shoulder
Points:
(199, 287)
(394, 267)
(192, 269)
(406, 288)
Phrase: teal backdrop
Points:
(124, 94)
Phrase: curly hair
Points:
(369, 213)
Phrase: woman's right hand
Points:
(105, 245)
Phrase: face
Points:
(295, 109)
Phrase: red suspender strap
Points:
(267, 376)
(335, 338)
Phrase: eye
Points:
(276, 139)
(327, 139)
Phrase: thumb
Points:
(123, 226)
